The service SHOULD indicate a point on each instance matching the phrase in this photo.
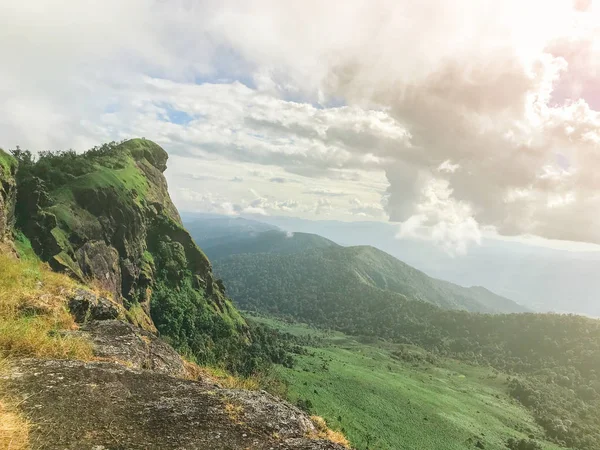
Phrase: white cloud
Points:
(322, 207)
(480, 114)
(366, 209)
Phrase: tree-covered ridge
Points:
(106, 216)
(210, 230)
(284, 265)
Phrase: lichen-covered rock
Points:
(8, 193)
(276, 416)
(119, 341)
(99, 405)
(86, 306)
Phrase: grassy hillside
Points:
(389, 396)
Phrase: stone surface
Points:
(132, 346)
(99, 405)
(86, 306)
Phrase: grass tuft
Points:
(324, 432)
(234, 412)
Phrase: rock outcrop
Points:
(105, 217)
(86, 306)
(8, 193)
(138, 349)
(101, 405)
(136, 397)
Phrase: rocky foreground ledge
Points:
(140, 402)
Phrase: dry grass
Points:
(14, 428)
(234, 412)
(220, 377)
(324, 432)
(33, 310)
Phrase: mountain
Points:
(106, 217)
(541, 278)
(128, 281)
(545, 362)
(284, 262)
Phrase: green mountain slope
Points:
(284, 264)
(392, 396)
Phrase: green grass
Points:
(7, 163)
(382, 402)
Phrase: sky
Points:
(456, 120)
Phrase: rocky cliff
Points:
(105, 217)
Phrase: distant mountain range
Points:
(540, 278)
(265, 268)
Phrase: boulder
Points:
(86, 306)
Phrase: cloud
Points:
(364, 209)
(326, 192)
(323, 206)
(278, 180)
(480, 114)
(207, 202)
(484, 97)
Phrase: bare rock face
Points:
(278, 417)
(138, 349)
(100, 261)
(100, 405)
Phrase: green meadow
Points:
(390, 396)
